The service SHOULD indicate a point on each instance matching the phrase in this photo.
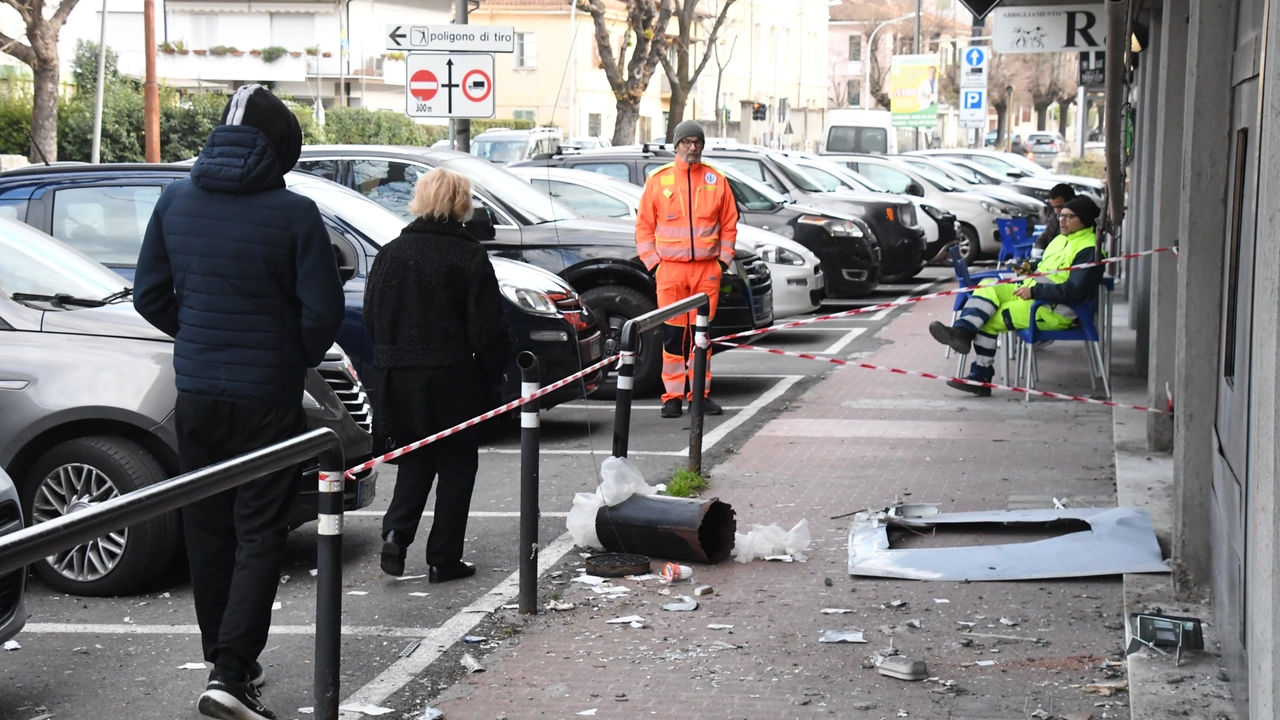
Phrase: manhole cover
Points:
(618, 565)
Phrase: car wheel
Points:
(614, 305)
(970, 247)
(78, 474)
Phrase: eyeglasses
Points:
(1067, 216)
(691, 143)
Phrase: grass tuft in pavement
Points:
(685, 483)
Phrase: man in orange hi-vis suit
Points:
(686, 228)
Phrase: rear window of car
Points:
(858, 139)
(621, 171)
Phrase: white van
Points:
(853, 130)
(505, 146)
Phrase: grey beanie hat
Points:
(689, 129)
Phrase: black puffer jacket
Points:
(240, 272)
(434, 312)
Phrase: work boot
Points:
(232, 698)
(980, 373)
(671, 408)
(711, 407)
(958, 338)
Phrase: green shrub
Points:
(273, 53)
(361, 126)
(221, 50)
(15, 122)
(685, 483)
(479, 126)
(312, 133)
(1088, 167)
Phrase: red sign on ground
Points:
(424, 85)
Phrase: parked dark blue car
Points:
(103, 210)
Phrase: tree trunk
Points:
(1063, 105)
(44, 113)
(679, 98)
(1002, 128)
(624, 129)
(1042, 117)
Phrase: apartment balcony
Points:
(247, 67)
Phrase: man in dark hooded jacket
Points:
(239, 271)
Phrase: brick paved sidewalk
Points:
(856, 439)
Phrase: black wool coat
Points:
(440, 336)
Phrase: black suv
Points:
(843, 242)
(103, 210)
(597, 255)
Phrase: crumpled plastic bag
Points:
(769, 540)
(619, 480)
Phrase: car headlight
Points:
(932, 212)
(837, 228)
(531, 301)
(994, 208)
(775, 255)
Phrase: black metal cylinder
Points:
(328, 660)
(693, 530)
(530, 382)
(700, 349)
(626, 380)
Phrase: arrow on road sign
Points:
(450, 85)
(396, 36)
(974, 57)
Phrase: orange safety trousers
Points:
(677, 281)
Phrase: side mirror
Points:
(915, 189)
(481, 224)
(347, 268)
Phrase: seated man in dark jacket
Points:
(239, 271)
(998, 308)
(1059, 196)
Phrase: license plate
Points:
(367, 490)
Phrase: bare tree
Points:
(1069, 85)
(40, 53)
(839, 88)
(1045, 86)
(721, 120)
(645, 37)
(682, 74)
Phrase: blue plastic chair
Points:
(966, 279)
(1015, 242)
(1084, 330)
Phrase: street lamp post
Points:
(871, 48)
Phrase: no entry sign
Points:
(423, 85)
(449, 85)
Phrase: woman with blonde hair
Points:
(434, 312)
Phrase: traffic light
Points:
(759, 111)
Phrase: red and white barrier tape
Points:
(944, 293)
(931, 376)
(350, 474)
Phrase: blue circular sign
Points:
(974, 56)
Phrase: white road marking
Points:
(811, 328)
(722, 430)
(840, 344)
(472, 514)
(917, 290)
(131, 629)
(437, 640)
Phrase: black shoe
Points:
(671, 408)
(229, 700)
(979, 373)
(393, 553)
(445, 573)
(711, 407)
(957, 338)
(257, 676)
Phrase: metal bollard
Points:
(626, 379)
(701, 347)
(329, 588)
(529, 513)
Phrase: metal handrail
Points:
(630, 334)
(49, 538)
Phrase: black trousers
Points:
(455, 459)
(235, 539)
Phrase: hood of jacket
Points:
(239, 160)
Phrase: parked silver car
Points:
(86, 409)
(13, 614)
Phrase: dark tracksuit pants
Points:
(235, 539)
(455, 459)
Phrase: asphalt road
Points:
(123, 658)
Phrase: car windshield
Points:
(36, 264)
(829, 181)
(843, 175)
(499, 151)
(1026, 166)
(940, 171)
(935, 178)
(796, 175)
(972, 174)
(517, 195)
(372, 220)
